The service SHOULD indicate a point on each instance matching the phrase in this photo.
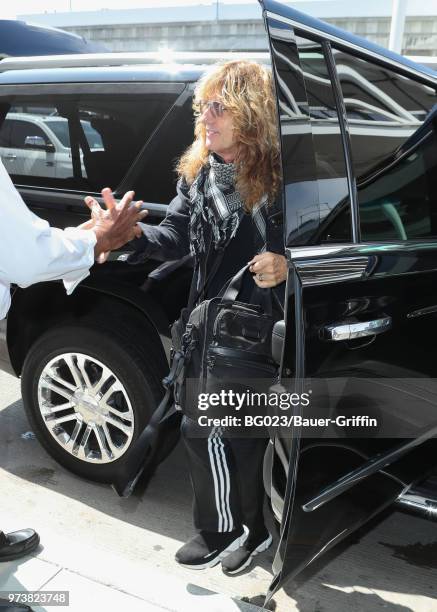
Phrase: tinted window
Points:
(103, 134)
(155, 181)
(20, 130)
(60, 128)
(298, 162)
(385, 113)
(400, 202)
(322, 110)
(93, 137)
(312, 150)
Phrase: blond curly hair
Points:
(245, 88)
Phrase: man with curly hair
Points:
(225, 207)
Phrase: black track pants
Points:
(226, 474)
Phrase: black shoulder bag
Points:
(224, 339)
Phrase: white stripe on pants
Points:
(222, 482)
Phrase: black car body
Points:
(359, 158)
(19, 38)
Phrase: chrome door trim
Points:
(338, 332)
(341, 262)
(334, 270)
(422, 312)
(419, 504)
(369, 468)
(294, 254)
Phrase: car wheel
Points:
(88, 393)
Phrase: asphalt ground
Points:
(102, 548)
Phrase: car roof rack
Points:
(94, 60)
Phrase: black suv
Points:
(359, 156)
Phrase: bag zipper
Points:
(230, 355)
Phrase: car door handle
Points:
(10, 157)
(349, 330)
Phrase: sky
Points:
(25, 7)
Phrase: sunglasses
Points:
(217, 109)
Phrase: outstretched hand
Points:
(116, 225)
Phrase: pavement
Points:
(112, 554)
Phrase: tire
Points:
(88, 429)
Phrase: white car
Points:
(39, 145)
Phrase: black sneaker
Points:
(242, 557)
(208, 548)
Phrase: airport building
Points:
(219, 27)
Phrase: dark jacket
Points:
(170, 239)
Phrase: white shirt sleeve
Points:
(31, 251)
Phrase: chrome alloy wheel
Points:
(85, 408)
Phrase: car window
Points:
(302, 212)
(159, 162)
(400, 202)
(327, 140)
(101, 135)
(60, 128)
(20, 130)
(93, 137)
(394, 154)
(313, 157)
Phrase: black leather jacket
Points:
(170, 240)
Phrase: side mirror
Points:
(38, 142)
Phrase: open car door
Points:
(360, 326)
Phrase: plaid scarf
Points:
(216, 203)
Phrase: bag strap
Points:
(196, 293)
(234, 287)
(231, 292)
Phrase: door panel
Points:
(360, 318)
(340, 478)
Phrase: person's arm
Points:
(31, 251)
(171, 238)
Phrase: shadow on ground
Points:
(320, 588)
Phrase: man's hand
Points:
(116, 225)
(270, 269)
